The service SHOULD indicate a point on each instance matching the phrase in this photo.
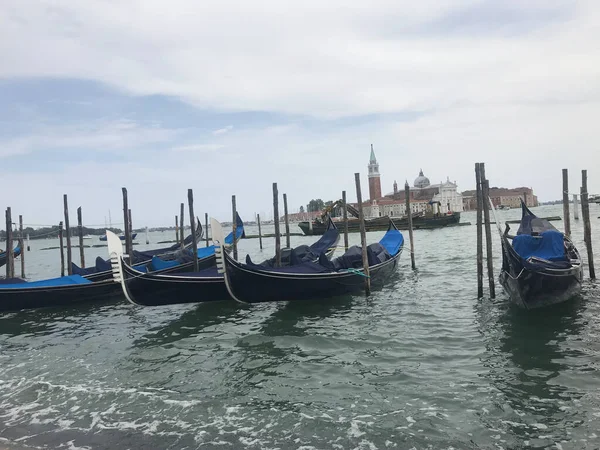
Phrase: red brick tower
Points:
(374, 177)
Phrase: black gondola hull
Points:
(29, 298)
(532, 289)
(157, 289)
(258, 286)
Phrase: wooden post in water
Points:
(126, 225)
(10, 257)
(345, 217)
(566, 216)
(587, 227)
(259, 231)
(22, 246)
(410, 224)
(176, 228)
(276, 223)
(80, 232)
(193, 228)
(206, 227)
(234, 225)
(147, 238)
(287, 222)
(363, 234)
(479, 232)
(62, 249)
(488, 231)
(68, 236)
(182, 226)
(575, 207)
(130, 235)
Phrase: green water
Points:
(419, 364)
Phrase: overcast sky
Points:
(227, 97)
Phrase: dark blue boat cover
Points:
(101, 266)
(549, 245)
(62, 281)
(532, 224)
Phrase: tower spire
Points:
(374, 177)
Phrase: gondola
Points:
(540, 265)
(320, 280)
(17, 294)
(102, 270)
(161, 288)
(4, 255)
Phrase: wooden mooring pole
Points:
(363, 234)
(566, 216)
(80, 232)
(276, 223)
(22, 246)
(575, 207)
(130, 235)
(68, 235)
(62, 249)
(176, 228)
(485, 192)
(287, 222)
(410, 224)
(345, 217)
(259, 231)
(126, 225)
(10, 256)
(479, 232)
(182, 225)
(234, 225)
(193, 228)
(206, 227)
(587, 227)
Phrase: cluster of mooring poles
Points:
(10, 240)
(483, 220)
(64, 231)
(585, 214)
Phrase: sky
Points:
(227, 97)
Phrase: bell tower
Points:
(374, 177)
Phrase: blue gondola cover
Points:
(549, 245)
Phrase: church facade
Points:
(439, 198)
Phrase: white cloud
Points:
(224, 130)
(198, 148)
(515, 90)
(93, 135)
(324, 60)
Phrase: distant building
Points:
(502, 196)
(443, 197)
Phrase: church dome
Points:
(422, 181)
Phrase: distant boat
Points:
(318, 227)
(122, 237)
(503, 207)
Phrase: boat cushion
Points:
(62, 281)
(377, 254)
(549, 245)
